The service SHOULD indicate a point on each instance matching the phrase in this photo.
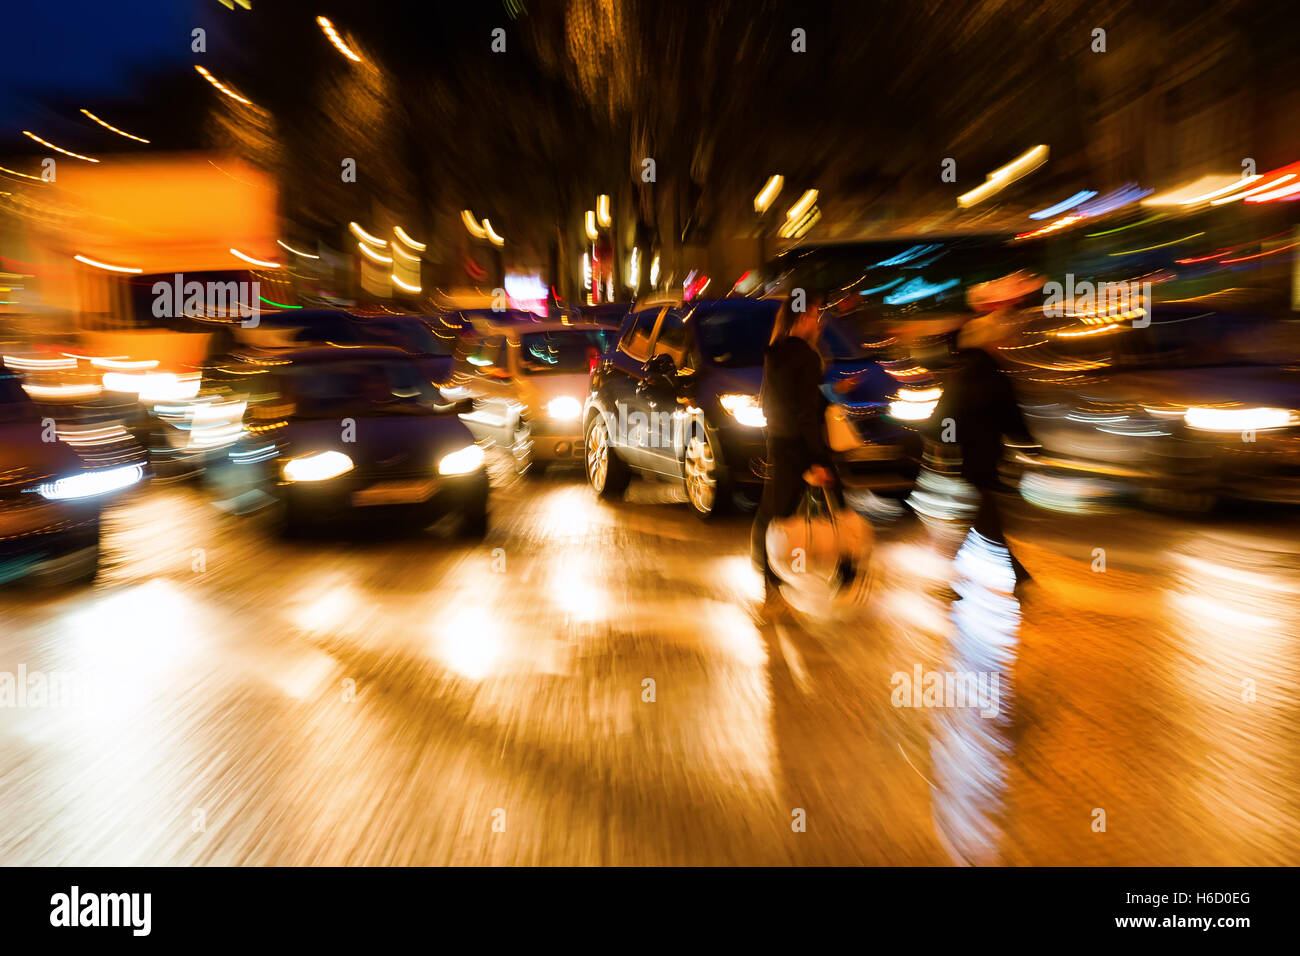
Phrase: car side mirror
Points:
(661, 366)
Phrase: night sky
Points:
(89, 50)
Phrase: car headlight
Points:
(462, 462)
(564, 407)
(745, 409)
(1239, 419)
(91, 483)
(318, 467)
(915, 404)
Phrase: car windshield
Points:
(734, 335)
(414, 336)
(570, 351)
(15, 406)
(322, 390)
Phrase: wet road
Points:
(590, 685)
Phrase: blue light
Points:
(918, 289)
(1081, 196)
(906, 255)
(881, 288)
(1114, 200)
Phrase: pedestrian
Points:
(797, 453)
(980, 403)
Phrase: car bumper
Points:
(426, 498)
(38, 535)
(556, 440)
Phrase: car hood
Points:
(1249, 385)
(877, 385)
(380, 439)
(23, 452)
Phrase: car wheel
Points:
(607, 473)
(706, 485)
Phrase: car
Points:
(677, 397)
(336, 434)
(410, 333)
(51, 499)
(1198, 405)
(528, 384)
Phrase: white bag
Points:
(809, 549)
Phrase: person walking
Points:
(795, 409)
(980, 402)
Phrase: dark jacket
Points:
(979, 399)
(793, 403)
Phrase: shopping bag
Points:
(821, 553)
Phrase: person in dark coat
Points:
(979, 401)
(795, 409)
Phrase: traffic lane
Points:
(424, 701)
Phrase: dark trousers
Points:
(988, 522)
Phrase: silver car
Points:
(528, 382)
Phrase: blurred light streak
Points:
(337, 40)
(401, 234)
(1197, 191)
(1081, 196)
(104, 265)
(589, 222)
(1157, 246)
(59, 149)
(472, 224)
(767, 195)
(602, 211)
(1275, 194)
(202, 71)
(109, 126)
(918, 289)
(374, 256)
(1112, 201)
(249, 259)
(365, 236)
(1004, 176)
(491, 234)
(13, 172)
(1108, 232)
(801, 206)
(297, 252)
(1261, 255)
(404, 286)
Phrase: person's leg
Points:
(782, 493)
(988, 523)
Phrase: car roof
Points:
(320, 354)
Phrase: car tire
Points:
(705, 480)
(474, 524)
(607, 474)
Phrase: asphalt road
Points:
(590, 685)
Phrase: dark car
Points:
(410, 333)
(335, 432)
(50, 499)
(1197, 405)
(678, 398)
